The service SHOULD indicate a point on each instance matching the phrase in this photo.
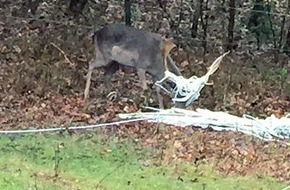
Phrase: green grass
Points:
(85, 161)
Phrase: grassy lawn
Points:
(87, 161)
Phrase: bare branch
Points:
(71, 64)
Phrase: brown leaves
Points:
(229, 152)
(37, 112)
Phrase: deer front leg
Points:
(110, 69)
(159, 97)
(142, 78)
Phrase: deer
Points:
(119, 44)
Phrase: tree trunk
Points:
(77, 6)
(231, 25)
(204, 24)
(276, 51)
(287, 43)
(128, 12)
(282, 31)
(196, 16)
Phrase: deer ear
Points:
(170, 41)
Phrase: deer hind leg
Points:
(94, 63)
(89, 77)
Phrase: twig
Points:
(64, 54)
(108, 174)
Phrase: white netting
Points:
(266, 129)
(187, 90)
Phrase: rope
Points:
(67, 128)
